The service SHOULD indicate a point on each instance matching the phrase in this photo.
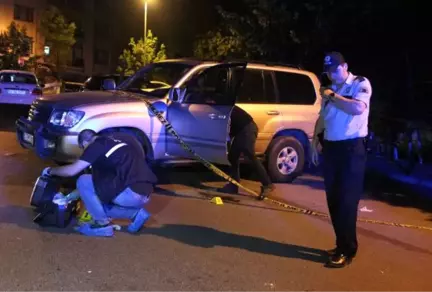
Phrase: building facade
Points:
(25, 13)
(96, 50)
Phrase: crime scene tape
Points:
(323, 215)
(186, 147)
(225, 176)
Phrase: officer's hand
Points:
(325, 92)
(46, 171)
(322, 89)
(314, 152)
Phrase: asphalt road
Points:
(191, 244)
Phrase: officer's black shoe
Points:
(266, 191)
(332, 252)
(229, 189)
(339, 260)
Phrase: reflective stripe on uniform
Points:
(113, 149)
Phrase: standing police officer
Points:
(343, 120)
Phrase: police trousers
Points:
(344, 170)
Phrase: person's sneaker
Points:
(139, 221)
(228, 189)
(266, 191)
(91, 229)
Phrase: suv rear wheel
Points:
(285, 159)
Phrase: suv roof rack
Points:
(224, 59)
(278, 64)
(265, 63)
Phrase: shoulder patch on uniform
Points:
(359, 79)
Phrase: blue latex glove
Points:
(46, 171)
(60, 199)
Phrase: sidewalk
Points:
(418, 181)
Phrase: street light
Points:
(145, 19)
(146, 2)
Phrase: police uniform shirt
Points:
(118, 162)
(340, 125)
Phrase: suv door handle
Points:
(217, 117)
(273, 113)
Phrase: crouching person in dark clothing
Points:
(120, 184)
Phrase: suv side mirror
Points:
(109, 84)
(177, 94)
(172, 94)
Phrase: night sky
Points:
(178, 22)
(387, 47)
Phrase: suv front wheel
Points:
(285, 159)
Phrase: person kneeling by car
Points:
(120, 184)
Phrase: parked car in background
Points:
(49, 77)
(19, 87)
(96, 82)
(197, 98)
(52, 85)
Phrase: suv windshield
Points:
(96, 82)
(156, 79)
(17, 78)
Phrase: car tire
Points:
(285, 159)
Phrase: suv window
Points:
(156, 79)
(295, 88)
(257, 87)
(209, 87)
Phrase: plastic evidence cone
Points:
(217, 200)
(85, 217)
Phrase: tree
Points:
(215, 45)
(140, 54)
(15, 44)
(278, 30)
(259, 29)
(59, 35)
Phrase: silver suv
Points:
(196, 97)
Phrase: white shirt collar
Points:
(350, 78)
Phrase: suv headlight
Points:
(66, 119)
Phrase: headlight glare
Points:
(66, 119)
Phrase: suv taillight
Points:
(37, 91)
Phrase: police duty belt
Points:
(228, 178)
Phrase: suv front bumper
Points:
(57, 144)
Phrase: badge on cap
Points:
(327, 60)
